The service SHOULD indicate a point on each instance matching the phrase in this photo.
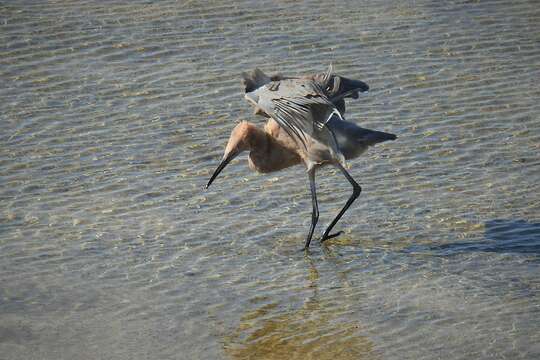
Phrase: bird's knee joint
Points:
(357, 190)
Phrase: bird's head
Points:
(240, 140)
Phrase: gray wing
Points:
(334, 87)
(300, 107)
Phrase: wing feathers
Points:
(301, 108)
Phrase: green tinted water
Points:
(114, 115)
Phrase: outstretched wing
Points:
(300, 107)
(334, 87)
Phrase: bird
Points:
(305, 124)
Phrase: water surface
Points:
(115, 114)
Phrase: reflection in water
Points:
(312, 332)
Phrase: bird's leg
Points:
(315, 213)
(356, 192)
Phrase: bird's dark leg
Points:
(315, 213)
(356, 192)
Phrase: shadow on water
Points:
(316, 330)
(500, 236)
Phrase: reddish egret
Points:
(306, 125)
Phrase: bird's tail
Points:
(375, 137)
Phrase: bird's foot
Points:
(330, 236)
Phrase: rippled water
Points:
(114, 114)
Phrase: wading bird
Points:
(306, 125)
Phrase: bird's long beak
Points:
(226, 160)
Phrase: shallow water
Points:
(115, 114)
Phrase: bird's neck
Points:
(268, 154)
